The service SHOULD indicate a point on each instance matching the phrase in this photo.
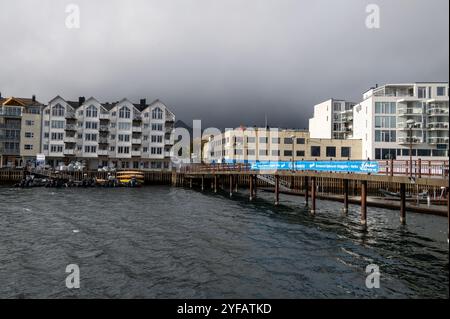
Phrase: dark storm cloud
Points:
(226, 62)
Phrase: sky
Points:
(225, 62)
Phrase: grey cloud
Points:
(226, 62)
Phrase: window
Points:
(29, 134)
(123, 149)
(91, 125)
(145, 149)
(336, 106)
(124, 137)
(440, 91)
(56, 148)
(263, 140)
(385, 136)
(276, 140)
(263, 152)
(423, 152)
(112, 148)
(251, 139)
(91, 111)
(90, 137)
(300, 153)
(251, 152)
(385, 108)
(46, 135)
(315, 151)
(124, 126)
(58, 110)
(275, 153)
(90, 149)
(58, 124)
(45, 147)
(156, 150)
(300, 140)
(385, 122)
(422, 92)
(346, 151)
(287, 153)
(330, 151)
(157, 114)
(287, 140)
(29, 122)
(157, 126)
(28, 146)
(57, 136)
(124, 112)
(156, 138)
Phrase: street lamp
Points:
(410, 124)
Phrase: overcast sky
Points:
(227, 62)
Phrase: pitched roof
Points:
(23, 101)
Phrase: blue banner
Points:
(321, 166)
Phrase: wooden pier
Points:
(230, 177)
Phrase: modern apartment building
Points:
(393, 118)
(332, 119)
(247, 144)
(20, 130)
(120, 134)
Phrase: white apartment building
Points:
(332, 118)
(119, 134)
(394, 117)
(250, 144)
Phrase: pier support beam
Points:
(231, 185)
(402, 204)
(190, 182)
(215, 183)
(203, 182)
(345, 184)
(313, 195)
(306, 190)
(277, 189)
(251, 187)
(255, 186)
(236, 181)
(364, 203)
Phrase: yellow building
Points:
(273, 144)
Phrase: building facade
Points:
(394, 118)
(333, 119)
(391, 120)
(116, 135)
(247, 144)
(20, 130)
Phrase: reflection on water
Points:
(160, 242)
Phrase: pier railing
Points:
(420, 168)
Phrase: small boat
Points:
(387, 194)
(130, 178)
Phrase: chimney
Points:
(33, 98)
(376, 85)
(81, 100)
(142, 103)
(0, 95)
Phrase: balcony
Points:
(71, 127)
(436, 126)
(103, 140)
(136, 129)
(169, 141)
(438, 140)
(407, 140)
(103, 128)
(136, 141)
(409, 111)
(135, 153)
(137, 117)
(404, 127)
(437, 111)
(104, 116)
(102, 152)
(168, 153)
(69, 151)
(70, 139)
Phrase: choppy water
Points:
(161, 242)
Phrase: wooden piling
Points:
(277, 189)
(251, 187)
(313, 195)
(364, 202)
(306, 190)
(215, 183)
(345, 186)
(402, 203)
(231, 185)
